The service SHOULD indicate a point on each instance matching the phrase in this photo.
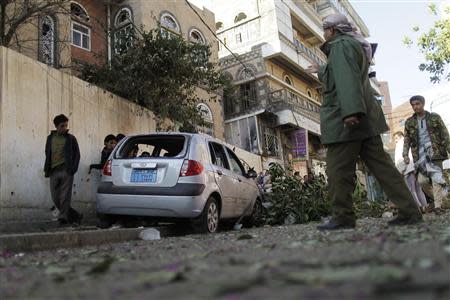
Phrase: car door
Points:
(245, 187)
(225, 179)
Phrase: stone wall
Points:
(31, 95)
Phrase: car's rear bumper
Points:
(180, 189)
(150, 205)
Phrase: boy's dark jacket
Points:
(71, 154)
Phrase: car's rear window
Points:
(154, 146)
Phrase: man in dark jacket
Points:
(351, 124)
(62, 157)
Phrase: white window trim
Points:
(84, 9)
(177, 30)
(206, 106)
(199, 33)
(130, 14)
(289, 78)
(82, 33)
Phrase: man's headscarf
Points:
(340, 23)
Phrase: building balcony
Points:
(327, 7)
(307, 17)
(310, 54)
(297, 55)
(311, 10)
(295, 110)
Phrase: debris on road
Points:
(150, 234)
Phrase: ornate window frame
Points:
(169, 30)
(124, 28)
(199, 33)
(47, 41)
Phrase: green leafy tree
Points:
(162, 72)
(434, 44)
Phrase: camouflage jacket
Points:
(439, 137)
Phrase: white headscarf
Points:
(340, 23)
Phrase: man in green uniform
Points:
(351, 124)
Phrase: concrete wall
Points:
(31, 95)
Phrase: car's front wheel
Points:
(208, 221)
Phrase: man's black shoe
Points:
(62, 222)
(332, 225)
(399, 221)
(78, 220)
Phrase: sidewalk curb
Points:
(73, 239)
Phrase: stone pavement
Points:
(288, 262)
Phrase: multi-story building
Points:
(89, 31)
(176, 17)
(64, 34)
(267, 47)
(398, 117)
(385, 100)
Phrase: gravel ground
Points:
(287, 262)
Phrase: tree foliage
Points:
(434, 44)
(293, 201)
(162, 72)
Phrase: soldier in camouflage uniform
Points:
(428, 139)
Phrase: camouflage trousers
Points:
(431, 188)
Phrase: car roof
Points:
(187, 134)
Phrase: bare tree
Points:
(16, 13)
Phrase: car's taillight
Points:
(191, 168)
(107, 170)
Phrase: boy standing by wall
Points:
(62, 157)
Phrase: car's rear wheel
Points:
(208, 221)
(104, 221)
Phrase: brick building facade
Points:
(88, 32)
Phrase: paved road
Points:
(289, 262)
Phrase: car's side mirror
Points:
(252, 174)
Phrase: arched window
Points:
(196, 36)
(123, 17)
(81, 34)
(206, 113)
(246, 73)
(78, 11)
(308, 91)
(169, 22)
(123, 30)
(287, 79)
(47, 40)
(241, 16)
